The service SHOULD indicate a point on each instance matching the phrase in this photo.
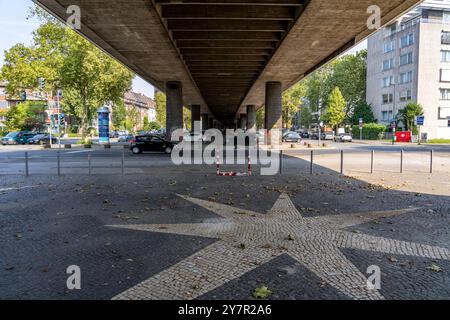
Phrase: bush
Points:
(371, 131)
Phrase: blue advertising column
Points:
(103, 125)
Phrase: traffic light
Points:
(41, 84)
(62, 119)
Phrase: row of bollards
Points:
(281, 170)
(58, 162)
(372, 162)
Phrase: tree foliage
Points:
(364, 111)
(26, 116)
(160, 101)
(292, 101)
(335, 114)
(89, 77)
(409, 114)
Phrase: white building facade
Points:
(409, 61)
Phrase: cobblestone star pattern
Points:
(249, 239)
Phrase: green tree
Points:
(26, 116)
(363, 110)
(132, 118)
(119, 116)
(146, 124)
(292, 101)
(260, 116)
(335, 114)
(160, 101)
(187, 116)
(349, 73)
(153, 125)
(409, 114)
(305, 116)
(89, 77)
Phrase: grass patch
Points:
(439, 141)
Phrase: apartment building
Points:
(409, 60)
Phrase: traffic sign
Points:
(361, 123)
(420, 120)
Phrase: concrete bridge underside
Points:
(220, 57)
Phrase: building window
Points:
(388, 81)
(446, 18)
(389, 47)
(386, 115)
(445, 56)
(387, 98)
(444, 113)
(445, 94)
(445, 37)
(388, 64)
(405, 77)
(445, 75)
(405, 95)
(406, 59)
(406, 41)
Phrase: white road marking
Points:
(17, 189)
(80, 151)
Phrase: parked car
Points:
(125, 137)
(343, 137)
(327, 136)
(292, 137)
(150, 143)
(18, 137)
(192, 137)
(43, 138)
(305, 135)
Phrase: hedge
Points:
(371, 131)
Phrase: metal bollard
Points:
(342, 161)
(89, 164)
(311, 166)
(281, 161)
(123, 162)
(372, 162)
(401, 161)
(27, 173)
(58, 158)
(431, 161)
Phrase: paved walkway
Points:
(198, 236)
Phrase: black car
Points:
(43, 138)
(150, 143)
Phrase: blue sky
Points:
(15, 28)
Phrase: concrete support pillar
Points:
(205, 122)
(243, 122)
(211, 123)
(251, 118)
(195, 115)
(273, 120)
(174, 107)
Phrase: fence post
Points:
(123, 162)
(311, 166)
(431, 161)
(372, 162)
(27, 173)
(342, 161)
(58, 158)
(281, 161)
(401, 161)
